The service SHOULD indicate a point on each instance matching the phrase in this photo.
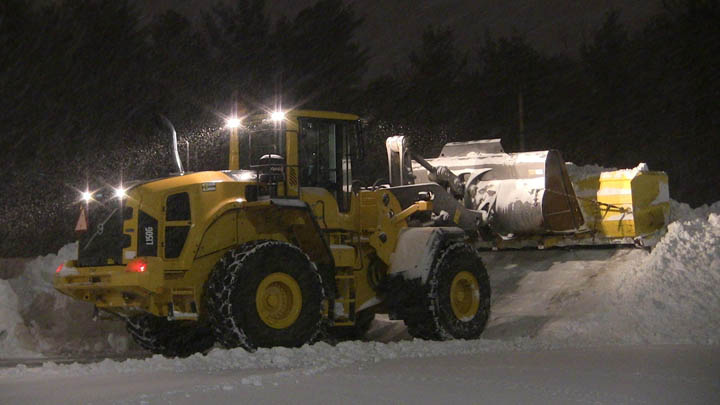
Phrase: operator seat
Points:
(271, 168)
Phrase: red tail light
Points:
(136, 266)
(59, 268)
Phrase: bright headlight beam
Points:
(277, 116)
(120, 192)
(86, 196)
(232, 122)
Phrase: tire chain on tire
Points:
(218, 291)
(417, 304)
(169, 338)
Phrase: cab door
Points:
(325, 160)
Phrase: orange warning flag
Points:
(82, 223)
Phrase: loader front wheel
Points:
(265, 294)
(456, 297)
(169, 338)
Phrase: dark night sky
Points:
(393, 27)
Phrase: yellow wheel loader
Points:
(285, 248)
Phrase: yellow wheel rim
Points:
(465, 296)
(278, 300)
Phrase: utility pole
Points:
(521, 120)
(234, 157)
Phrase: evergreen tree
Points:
(238, 37)
(180, 65)
(437, 70)
(319, 64)
(510, 71)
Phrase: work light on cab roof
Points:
(233, 122)
(86, 196)
(120, 192)
(277, 115)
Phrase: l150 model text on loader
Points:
(284, 248)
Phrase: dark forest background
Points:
(82, 82)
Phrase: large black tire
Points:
(428, 309)
(265, 294)
(169, 338)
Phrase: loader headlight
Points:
(120, 192)
(277, 116)
(232, 122)
(86, 196)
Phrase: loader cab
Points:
(301, 149)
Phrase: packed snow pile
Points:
(678, 285)
(37, 320)
(14, 336)
(311, 358)
(625, 296)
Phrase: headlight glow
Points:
(120, 192)
(232, 122)
(277, 116)
(87, 196)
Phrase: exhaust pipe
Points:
(174, 145)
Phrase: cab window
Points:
(325, 157)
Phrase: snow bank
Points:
(312, 359)
(39, 320)
(675, 293)
(669, 296)
(682, 212)
(14, 336)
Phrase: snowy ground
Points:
(352, 374)
(568, 326)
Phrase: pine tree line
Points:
(82, 82)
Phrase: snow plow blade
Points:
(535, 199)
(624, 204)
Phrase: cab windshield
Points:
(261, 143)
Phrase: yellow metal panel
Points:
(331, 115)
(234, 150)
(291, 158)
(344, 255)
(324, 207)
(624, 203)
(222, 234)
(385, 237)
(292, 115)
(651, 201)
(366, 203)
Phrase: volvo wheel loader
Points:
(285, 248)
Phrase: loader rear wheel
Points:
(265, 294)
(169, 338)
(456, 297)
